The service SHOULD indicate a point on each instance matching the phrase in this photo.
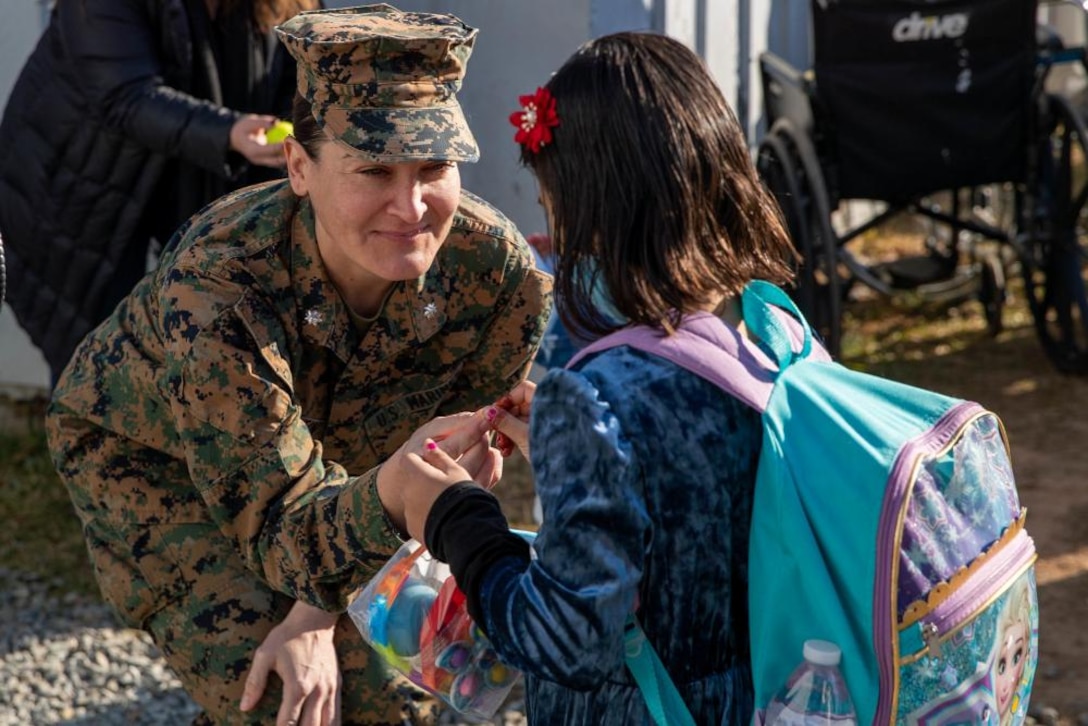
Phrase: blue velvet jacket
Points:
(645, 473)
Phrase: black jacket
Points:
(103, 117)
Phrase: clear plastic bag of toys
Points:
(415, 617)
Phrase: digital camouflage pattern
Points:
(385, 81)
(219, 434)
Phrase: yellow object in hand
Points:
(279, 131)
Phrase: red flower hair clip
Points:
(535, 120)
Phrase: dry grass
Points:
(42, 533)
(515, 492)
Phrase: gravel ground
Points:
(63, 661)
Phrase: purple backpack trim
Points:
(711, 348)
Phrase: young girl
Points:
(645, 471)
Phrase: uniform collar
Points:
(323, 318)
(414, 311)
(418, 307)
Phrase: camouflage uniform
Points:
(220, 433)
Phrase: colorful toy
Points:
(413, 614)
(383, 594)
(404, 623)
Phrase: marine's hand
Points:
(470, 446)
(511, 417)
(429, 473)
(248, 139)
(301, 651)
(464, 436)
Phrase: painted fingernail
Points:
(431, 446)
(492, 413)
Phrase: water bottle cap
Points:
(822, 652)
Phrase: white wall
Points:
(519, 44)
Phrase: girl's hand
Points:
(301, 651)
(430, 472)
(510, 417)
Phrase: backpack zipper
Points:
(978, 593)
(931, 636)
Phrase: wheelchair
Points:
(937, 111)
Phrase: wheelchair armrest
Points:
(787, 91)
(776, 67)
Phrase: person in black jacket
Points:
(128, 117)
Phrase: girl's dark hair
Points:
(648, 181)
(306, 131)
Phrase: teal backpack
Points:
(885, 520)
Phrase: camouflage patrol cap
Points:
(385, 81)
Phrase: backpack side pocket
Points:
(973, 658)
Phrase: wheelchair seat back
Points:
(923, 96)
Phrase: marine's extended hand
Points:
(464, 436)
(300, 650)
(512, 417)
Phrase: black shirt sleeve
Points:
(467, 529)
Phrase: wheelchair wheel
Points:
(1051, 257)
(789, 168)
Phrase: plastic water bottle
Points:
(815, 692)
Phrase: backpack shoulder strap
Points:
(705, 345)
(663, 701)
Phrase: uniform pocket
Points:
(135, 573)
